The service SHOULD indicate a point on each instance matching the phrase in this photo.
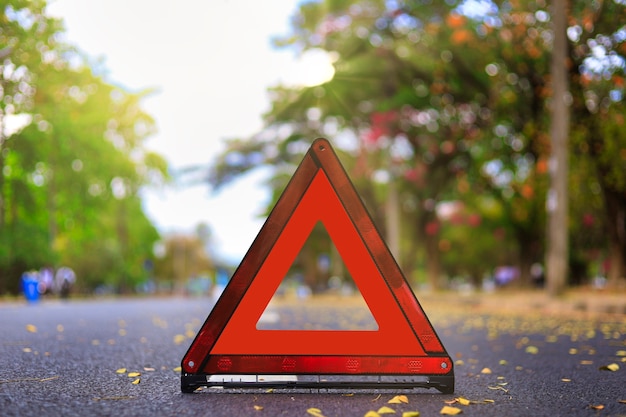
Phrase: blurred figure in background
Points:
(64, 279)
(46, 280)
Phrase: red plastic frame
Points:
(405, 342)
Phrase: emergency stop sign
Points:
(405, 351)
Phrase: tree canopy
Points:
(72, 159)
(440, 102)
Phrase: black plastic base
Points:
(444, 384)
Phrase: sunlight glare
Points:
(313, 67)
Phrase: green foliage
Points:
(454, 105)
(184, 257)
(71, 175)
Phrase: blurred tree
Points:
(597, 52)
(511, 161)
(71, 175)
(390, 94)
(26, 34)
(444, 100)
(462, 222)
(557, 251)
(184, 257)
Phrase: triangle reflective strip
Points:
(319, 191)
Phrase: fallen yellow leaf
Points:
(121, 371)
(611, 367)
(573, 351)
(566, 380)
(450, 411)
(620, 353)
(586, 362)
(463, 401)
(533, 350)
(133, 374)
(179, 338)
(386, 410)
(399, 399)
(597, 407)
(503, 362)
(136, 381)
(316, 412)
(489, 401)
(621, 401)
(177, 369)
(485, 371)
(411, 414)
(27, 350)
(258, 407)
(31, 328)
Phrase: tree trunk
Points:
(392, 210)
(433, 264)
(615, 204)
(557, 201)
(528, 253)
(427, 230)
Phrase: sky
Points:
(211, 62)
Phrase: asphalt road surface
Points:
(121, 357)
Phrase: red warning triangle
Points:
(405, 342)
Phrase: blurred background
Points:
(143, 145)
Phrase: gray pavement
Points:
(62, 359)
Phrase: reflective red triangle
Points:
(319, 191)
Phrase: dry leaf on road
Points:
(450, 411)
(463, 401)
(611, 367)
(533, 350)
(316, 412)
(399, 399)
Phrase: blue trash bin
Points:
(30, 288)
